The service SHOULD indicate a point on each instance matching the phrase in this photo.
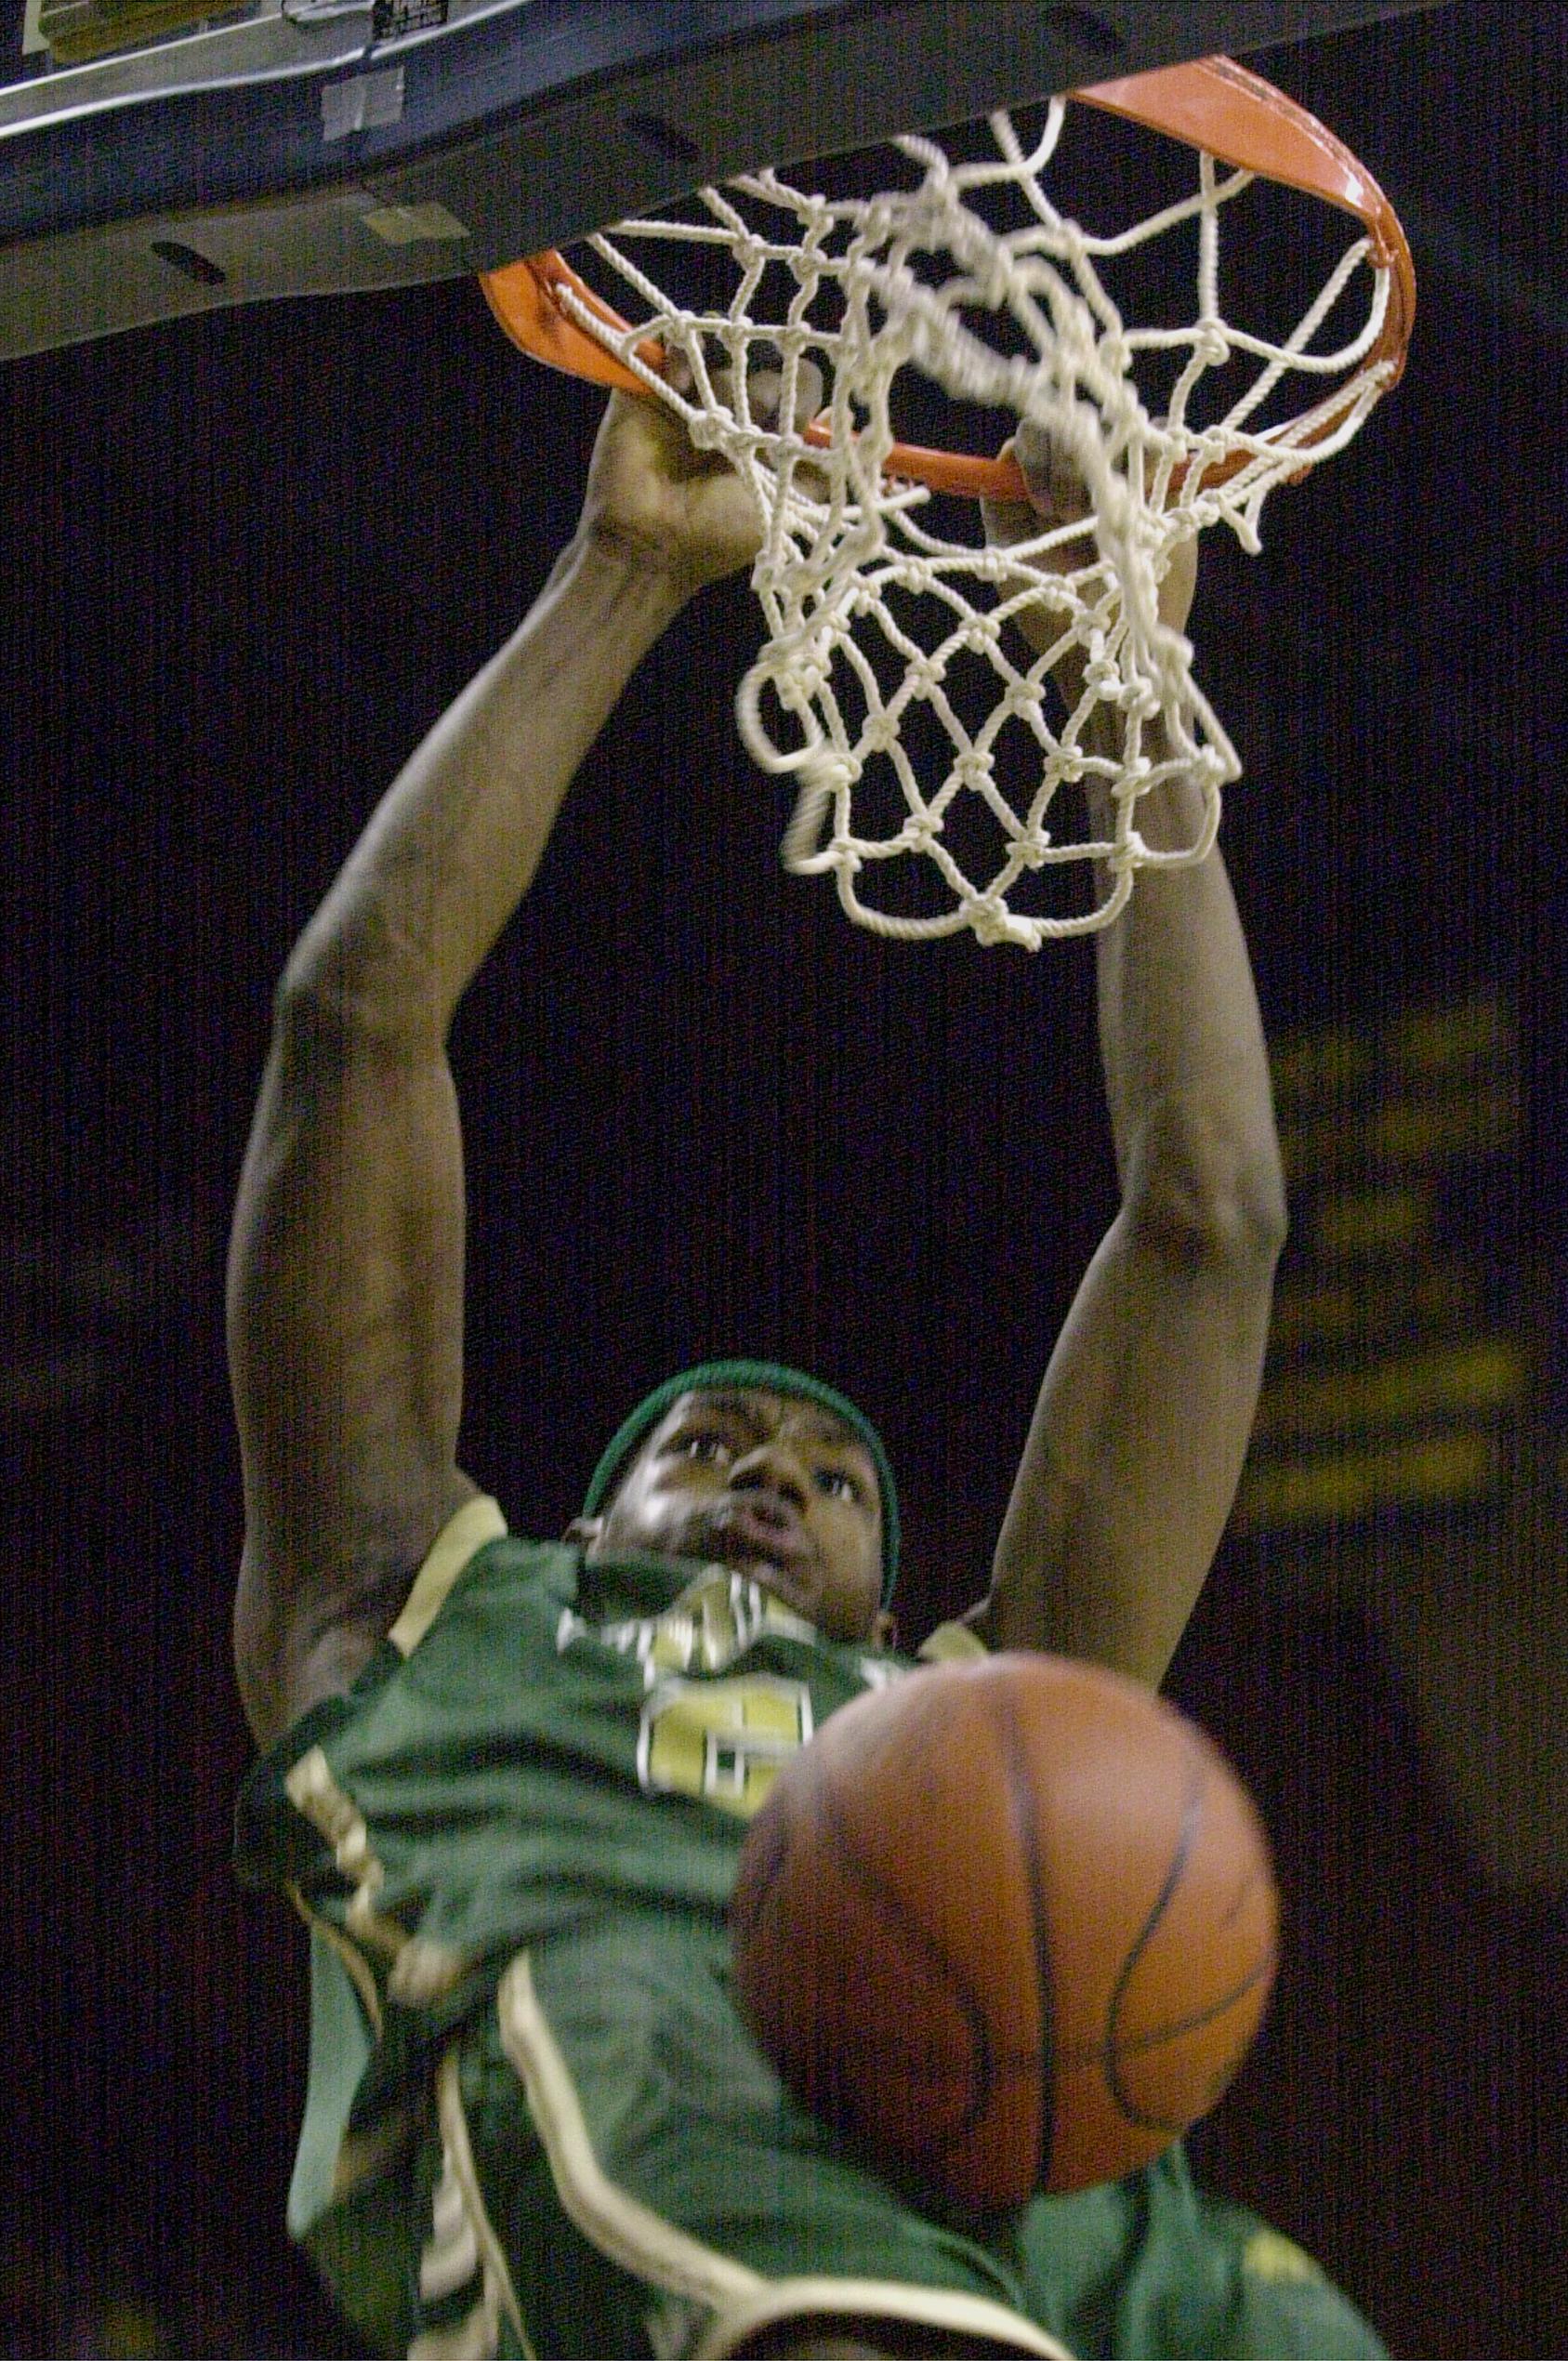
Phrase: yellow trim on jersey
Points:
(475, 2338)
(631, 2234)
(449, 2258)
(459, 2154)
(1268, 2254)
(952, 1644)
(871, 2303)
(358, 1967)
(624, 2230)
(479, 1521)
(335, 1815)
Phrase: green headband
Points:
(770, 1377)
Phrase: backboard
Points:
(294, 147)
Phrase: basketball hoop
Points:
(875, 612)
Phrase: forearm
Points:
(455, 844)
(1132, 1459)
(1182, 1042)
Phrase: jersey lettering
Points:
(724, 1741)
(712, 1622)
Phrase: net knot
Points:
(826, 772)
(992, 922)
(800, 676)
(981, 635)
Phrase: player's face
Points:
(772, 1488)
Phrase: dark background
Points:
(247, 559)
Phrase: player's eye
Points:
(714, 1450)
(839, 1485)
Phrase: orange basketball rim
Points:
(1212, 104)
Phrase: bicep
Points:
(345, 1336)
(1136, 1447)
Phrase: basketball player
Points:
(506, 1782)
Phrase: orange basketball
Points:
(1011, 1925)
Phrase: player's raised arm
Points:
(1138, 1439)
(345, 1264)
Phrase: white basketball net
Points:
(872, 613)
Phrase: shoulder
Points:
(474, 1527)
(474, 1572)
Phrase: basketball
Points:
(1009, 1925)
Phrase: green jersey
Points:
(542, 1741)
(535, 2123)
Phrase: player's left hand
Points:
(1057, 497)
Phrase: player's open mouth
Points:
(763, 1535)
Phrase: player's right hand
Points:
(682, 511)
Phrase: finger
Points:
(765, 390)
(1030, 447)
(1057, 491)
(1009, 520)
(811, 392)
(678, 374)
